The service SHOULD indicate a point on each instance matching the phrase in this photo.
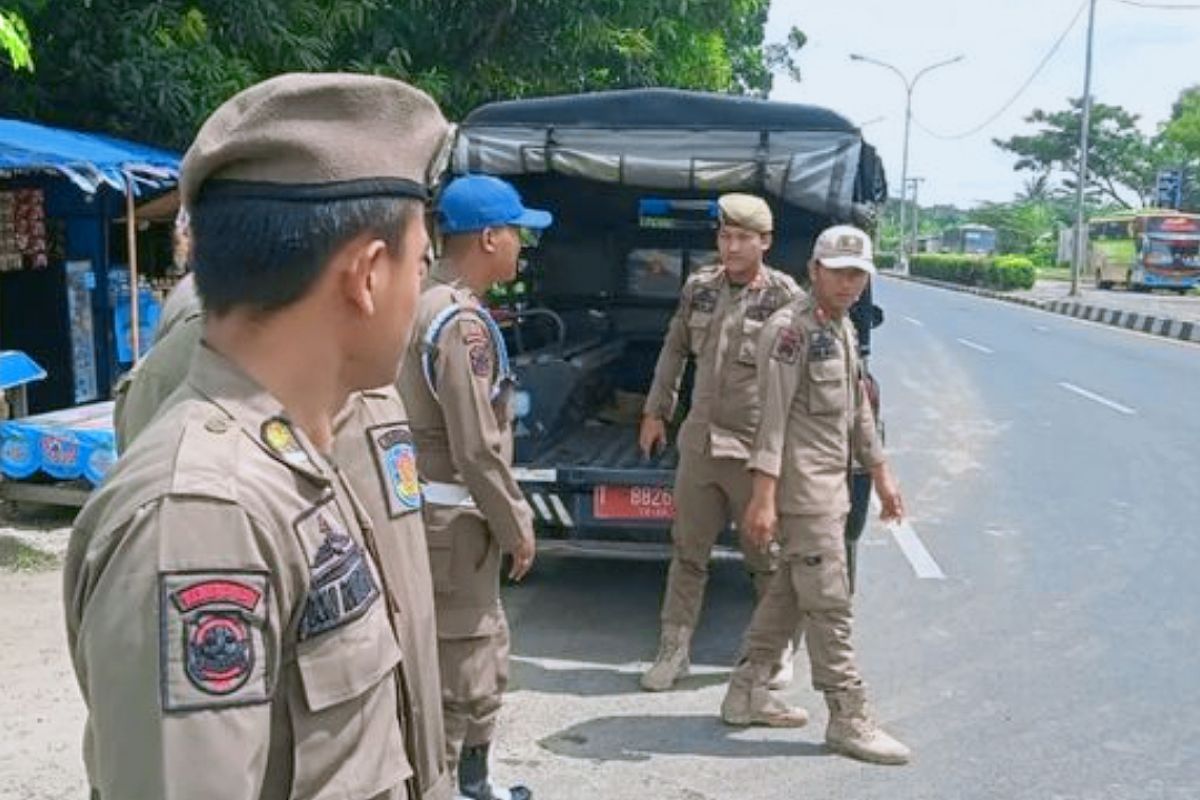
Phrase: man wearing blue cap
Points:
(458, 388)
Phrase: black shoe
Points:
(473, 779)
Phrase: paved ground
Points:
(1050, 467)
(1159, 304)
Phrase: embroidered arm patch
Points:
(787, 346)
(212, 629)
(396, 459)
(342, 585)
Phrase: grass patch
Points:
(16, 556)
(1054, 273)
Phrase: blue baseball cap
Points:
(475, 202)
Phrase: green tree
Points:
(155, 69)
(1183, 128)
(14, 40)
(1122, 161)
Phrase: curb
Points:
(1165, 327)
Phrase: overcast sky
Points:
(1143, 59)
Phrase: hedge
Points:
(999, 272)
(885, 260)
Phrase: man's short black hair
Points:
(264, 255)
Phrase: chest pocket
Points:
(827, 386)
(698, 323)
(344, 693)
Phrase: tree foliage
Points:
(1183, 129)
(14, 40)
(155, 69)
(1123, 162)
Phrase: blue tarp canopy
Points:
(89, 160)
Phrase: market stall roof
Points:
(89, 160)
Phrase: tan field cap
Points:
(845, 247)
(746, 211)
(319, 137)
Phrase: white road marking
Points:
(1104, 401)
(631, 668)
(912, 547)
(975, 346)
(1041, 329)
(916, 322)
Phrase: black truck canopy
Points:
(806, 156)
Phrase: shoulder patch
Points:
(211, 639)
(396, 460)
(480, 354)
(786, 347)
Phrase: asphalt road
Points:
(1050, 467)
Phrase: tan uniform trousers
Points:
(810, 592)
(473, 639)
(709, 493)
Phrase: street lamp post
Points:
(916, 222)
(909, 85)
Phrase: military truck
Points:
(632, 178)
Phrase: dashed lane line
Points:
(1096, 398)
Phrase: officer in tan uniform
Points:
(457, 386)
(719, 322)
(815, 418)
(231, 623)
(373, 445)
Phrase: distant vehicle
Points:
(632, 178)
(975, 240)
(1144, 250)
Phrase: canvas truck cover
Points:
(669, 139)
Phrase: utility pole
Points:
(1081, 233)
(916, 226)
(908, 92)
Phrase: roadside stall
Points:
(68, 267)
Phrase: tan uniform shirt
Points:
(815, 412)
(719, 325)
(182, 302)
(142, 394)
(374, 447)
(463, 436)
(226, 617)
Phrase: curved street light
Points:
(909, 85)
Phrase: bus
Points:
(972, 239)
(1145, 250)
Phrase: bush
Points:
(885, 260)
(1000, 272)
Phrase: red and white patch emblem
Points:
(212, 639)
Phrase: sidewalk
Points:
(1169, 316)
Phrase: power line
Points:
(1160, 6)
(1017, 95)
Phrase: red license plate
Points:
(633, 502)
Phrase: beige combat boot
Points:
(853, 733)
(673, 661)
(748, 701)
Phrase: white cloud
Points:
(1143, 59)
